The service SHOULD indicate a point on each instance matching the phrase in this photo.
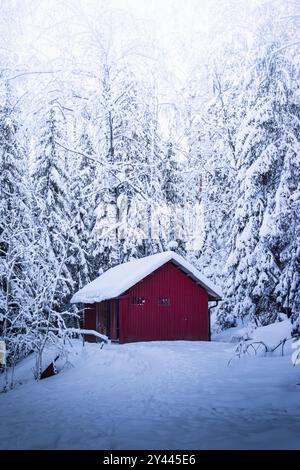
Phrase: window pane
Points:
(164, 301)
(138, 300)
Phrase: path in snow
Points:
(166, 395)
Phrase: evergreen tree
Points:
(14, 229)
(52, 209)
(263, 148)
(82, 260)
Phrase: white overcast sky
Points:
(174, 21)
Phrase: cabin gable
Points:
(166, 305)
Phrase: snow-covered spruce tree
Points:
(173, 235)
(283, 235)
(52, 204)
(263, 150)
(14, 229)
(125, 157)
(113, 116)
(51, 248)
(214, 162)
(133, 151)
(82, 263)
(210, 173)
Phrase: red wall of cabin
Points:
(186, 318)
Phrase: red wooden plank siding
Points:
(113, 319)
(185, 318)
(90, 321)
(123, 315)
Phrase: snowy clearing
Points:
(162, 395)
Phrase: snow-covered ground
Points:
(163, 395)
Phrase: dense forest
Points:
(115, 144)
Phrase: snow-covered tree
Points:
(83, 196)
(13, 208)
(52, 204)
(267, 149)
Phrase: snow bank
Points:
(160, 395)
(231, 335)
(272, 334)
(117, 280)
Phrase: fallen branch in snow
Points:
(282, 344)
(79, 331)
(256, 345)
(89, 332)
(244, 347)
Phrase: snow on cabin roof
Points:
(117, 280)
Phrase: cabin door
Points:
(103, 318)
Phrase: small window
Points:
(138, 300)
(163, 301)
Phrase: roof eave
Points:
(214, 298)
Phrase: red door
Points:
(103, 318)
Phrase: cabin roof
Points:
(117, 280)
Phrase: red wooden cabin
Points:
(159, 297)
